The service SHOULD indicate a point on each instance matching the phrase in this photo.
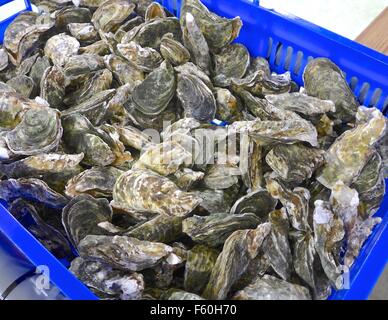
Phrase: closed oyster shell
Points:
(60, 48)
(272, 288)
(199, 265)
(82, 215)
(174, 51)
(110, 14)
(324, 80)
(195, 41)
(350, 152)
(83, 32)
(83, 63)
(38, 68)
(228, 108)
(52, 239)
(154, 94)
(52, 87)
(218, 31)
(154, 11)
(23, 85)
(221, 176)
(12, 109)
(100, 48)
(186, 178)
(70, 14)
(162, 228)
(3, 58)
(115, 110)
(133, 138)
(214, 201)
(213, 230)
(147, 191)
(124, 253)
(239, 249)
(296, 162)
(196, 98)
(103, 279)
(97, 181)
(39, 131)
(258, 202)
(231, 62)
(33, 190)
(146, 59)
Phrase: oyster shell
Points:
(147, 191)
(23, 85)
(228, 108)
(33, 190)
(196, 98)
(219, 32)
(342, 162)
(39, 131)
(146, 59)
(154, 94)
(70, 14)
(296, 162)
(82, 215)
(241, 247)
(97, 181)
(103, 279)
(124, 253)
(186, 178)
(272, 288)
(3, 58)
(134, 138)
(199, 265)
(154, 11)
(173, 50)
(83, 63)
(221, 176)
(324, 80)
(83, 32)
(60, 48)
(52, 87)
(213, 230)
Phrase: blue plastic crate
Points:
(288, 42)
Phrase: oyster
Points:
(196, 98)
(154, 11)
(173, 50)
(296, 162)
(82, 215)
(97, 181)
(219, 32)
(60, 48)
(52, 239)
(227, 105)
(239, 249)
(124, 253)
(52, 87)
(38, 69)
(213, 201)
(23, 85)
(342, 162)
(258, 202)
(199, 265)
(105, 280)
(33, 190)
(83, 63)
(147, 191)
(134, 138)
(213, 230)
(162, 228)
(146, 59)
(221, 176)
(12, 109)
(324, 80)
(272, 288)
(83, 32)
(39, 131)
(110, 14)
(70, 14)
(154, 94)
(3, 59)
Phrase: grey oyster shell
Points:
(60, 48)
(153, 95)
(117, 284)
(145, 190)
(124, 253)
(174, 51)
(83, 32)
(39, 131)
(213, 230)
(82, 215)
(52, 87)
(239, 249)
(97, 181)
(272, 288)
(154, 11)
(324, 80)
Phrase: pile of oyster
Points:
(107, 112)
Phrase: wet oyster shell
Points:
(83, 63)
(162, 228)
(186, 178)
(100, 48)
(60, 48)
(295, 163)
(154, 11)
(82, 215)
(23, 85)
(97, 181)
(196, 98)
(324, 80)
(228, 108)
(83, 32)
(52, 87)
(71, 14)
(124, 253)
(213, 230)
(117, 284)
(199, 265)
(272, 288)
(147, 191)
(239, 249)
(38, 68)
(154, 94)
(33, 190)
(133, 138)
(39, 131)
(174, 51)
